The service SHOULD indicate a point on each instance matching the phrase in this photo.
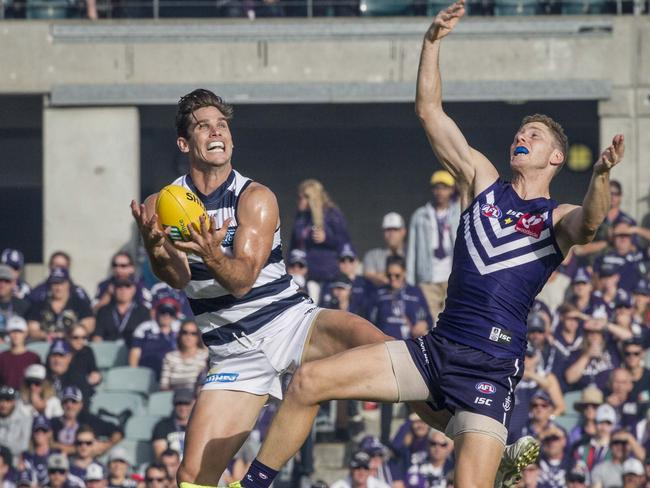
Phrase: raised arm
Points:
(471, 169)
(257, 219)
(578, 224)
(167, 263)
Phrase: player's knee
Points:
(186, 474)
(304, 385)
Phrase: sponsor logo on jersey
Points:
(221, 378)
(229, 237)
(483, 401)
(507, 403)
(491, 211)
(531, 225)
(501, 336)
(486, 388)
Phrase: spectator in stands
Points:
(432, 234)
(554, 292)
(374, 262)
(360, 287)
(338, 294)
(413, 447)
(122, 315)
(61, 374)
(609, 473)
(567, 341)
(614, 216)
(15, 422)
(17, 359)
(155, 338)
(83, 357)
(434, 470)
(74, 416)
(171, 459)
(118, 469)
(359, 475)
(58, 259)
(633, 362)
(529, 476)
(58, 474)
(9, 303)
(37, 394)
(541, 415)
(379, 458)
(582, 295)
(26, 480)
(641, 299)
(122, 271)
(320, 230)
(16, 261)
(84, 451)
(169, 433)
(95, 477)
(576, 478)
(633, 474)
(554, 463)
(6, 460)
(607, 286)
(624, 255)
(155, 476)
(181, 367)
(595, 450)
(40, 448)
(590, 399)
(597, 359)
(59, 310)
(297, 268)
(620, 387)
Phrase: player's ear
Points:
(182, 144)
(557, 158)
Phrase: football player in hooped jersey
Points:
(510, 239)
(252, 318)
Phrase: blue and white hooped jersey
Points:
(505, 251)
(221, 316)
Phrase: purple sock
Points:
(258, 476)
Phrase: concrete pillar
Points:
(91, 171)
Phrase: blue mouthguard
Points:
(521, 150)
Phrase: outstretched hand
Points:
(206, 241)
(445, 21)
(611, 156)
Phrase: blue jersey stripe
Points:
(205, 305)
(250, 323)
(275, 256)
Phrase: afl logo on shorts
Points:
(486, 388)
(491, 211)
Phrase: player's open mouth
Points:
(521, 150)
(216, 146)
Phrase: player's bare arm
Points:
(578, 224)
(167, 263)
(471, 169)
(257, 219)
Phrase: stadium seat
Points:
(129, 379)
(567, 422)
(516, 7)
(570, 398)
(4, 347)
(40, 347)
(139, 451)
(116, 403)
(160, 403)
(109, 354)
(140, 427)
(385, 7)
(48, 9)
(584, 7)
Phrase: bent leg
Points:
(219, 425)
(364, 373)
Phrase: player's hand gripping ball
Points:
(177, 209)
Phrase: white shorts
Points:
(258, 363)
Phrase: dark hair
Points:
(84, 429)
(616, 184)
(195, 100)
(556, 130)
(199, 341)
(156, 465)
(170, 452)
(127, 255)
(395, 260)
(63, 254)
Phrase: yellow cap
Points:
(443, 177)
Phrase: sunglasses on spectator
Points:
(56, 471)
(4, 280)
(84, 443)
(618, 441)
(155, 480)
(394, 275)
(189, 332)
(590, 405)
(79, 337)
(31, 382)
(632, 353)
(124, 285)
(615, 193)
(540, 405)
(121, 265)
(437, 444)
(551, 438)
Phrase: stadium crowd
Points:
(584, 392)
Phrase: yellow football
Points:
(178, 208)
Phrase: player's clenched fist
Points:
(445, 21)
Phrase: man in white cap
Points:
(432, 234)
(95, 477)
(17, 359)
(596, 449)
(633, 474)
(374, 262)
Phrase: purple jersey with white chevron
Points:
(505, 251)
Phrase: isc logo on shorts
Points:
(221, 378)
(499, 335)
(486, 388)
